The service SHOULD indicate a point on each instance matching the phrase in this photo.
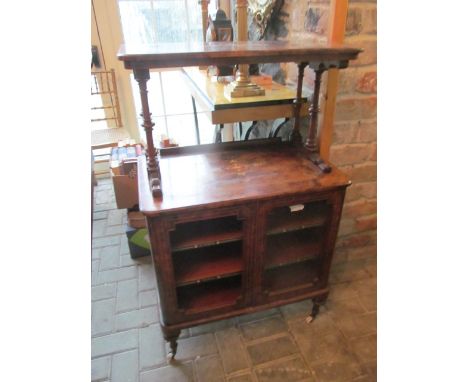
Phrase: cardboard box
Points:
(138, 242)
(126, 190)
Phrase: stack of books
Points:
(124, 158)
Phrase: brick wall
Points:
(354, 147)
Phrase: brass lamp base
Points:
(237, 89)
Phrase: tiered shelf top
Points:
(223, 53)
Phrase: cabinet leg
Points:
(171, 336)
(316, 303)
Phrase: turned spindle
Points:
(142, 76)
(296, 137)
(311, 142)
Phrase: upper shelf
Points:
(224, 53)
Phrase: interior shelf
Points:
(208, 263)
(291, 277)
(210, 295)
(293, 247)
(206, 233)
(282, 219)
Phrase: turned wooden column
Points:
(241, 86)
(311, 142)
(296, 134)
(204, 10)
(142, 76)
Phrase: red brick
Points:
(359, 208)
(361, 20)
(350, 154)
(369, 54)
(366, 223)
(357, 240)
(365, 131)
(373, 155)
(364, 172)
(347, 227)
(366, 252)
(356, 108)
(366, 190)
(367, 83)
(343, 133)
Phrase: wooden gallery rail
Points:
(238, 227)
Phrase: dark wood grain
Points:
(292, 247)
(222, 177)
(205, 233)
(207, 263)
(228, 53)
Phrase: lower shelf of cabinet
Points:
(210, 295)
(291, 277)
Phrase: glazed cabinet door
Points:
(297, 237)
(207, 261)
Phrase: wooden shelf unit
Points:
(238, 227)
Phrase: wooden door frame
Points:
(336, 34)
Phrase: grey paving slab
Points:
(369, 301)
(152, 347)
(101, 215)
(148, 298)
(114, 343)
(138, 318)
(342, 291)
(102, 316)
(263, 328)
(357, 326)
(271, 350)
(297, 310)
(125, 367)
(258, 315)
(127, 295)
(209, 369)
(146, 277)
(212, 327)
(109, 257)
(322, 325)
(115, 230)
(347, 307)
(100, 368)
(117, 274)
(126, 260)
(105, 241)
(322, 348)
(365, 347)
(95, 265)
(365, 286)
(192, 347)
(104, 291)
(291, 370)
(99, 228)
(242, 378)
(231, 350)
(340, 370)
(176, 372)
(115, 217)
(124, 249)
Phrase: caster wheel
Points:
(170, 357)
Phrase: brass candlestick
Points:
(241, 86)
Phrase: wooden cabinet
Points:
(239, 227)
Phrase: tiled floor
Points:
(275, 345)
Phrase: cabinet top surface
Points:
(218, 178)
(192, 54)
